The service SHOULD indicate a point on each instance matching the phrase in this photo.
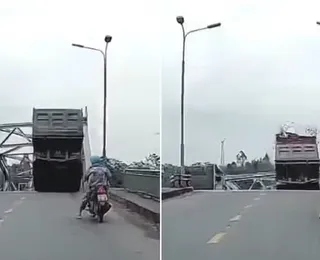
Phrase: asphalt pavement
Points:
(43, 226)
(245, 225)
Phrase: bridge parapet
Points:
(142, 181)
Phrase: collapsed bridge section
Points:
(57, 137)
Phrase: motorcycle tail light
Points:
(101, 190)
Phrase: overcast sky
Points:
(39, 68)
(243, 80)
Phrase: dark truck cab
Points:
(57, 137)
(297, 162)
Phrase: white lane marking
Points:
(216, 238)
(257, 198)
(236, 218)
(14, 205)
(262, 194)
(248, 206)
(8, 211)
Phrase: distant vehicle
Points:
(297, 161)
(57, 137)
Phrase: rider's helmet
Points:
(96, 160)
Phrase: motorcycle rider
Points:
(97, 174)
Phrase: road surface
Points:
(43, 226)
(242, 226)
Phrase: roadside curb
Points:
(135, 207)
(175, 192)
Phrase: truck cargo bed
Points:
(57, 123)
(296, 162)
(57, 137)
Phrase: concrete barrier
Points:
(168, 193)
(149, 209)
(139, 184)
(145, 182)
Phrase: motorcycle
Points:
(99, 203)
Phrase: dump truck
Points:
(297, 161)
(57, 137)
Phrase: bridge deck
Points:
(242, 225)
(43, 226)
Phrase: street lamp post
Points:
(107, 39)
(222, 152)
(180, 20)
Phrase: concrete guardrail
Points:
(145, 182)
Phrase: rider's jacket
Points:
(97, 175)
